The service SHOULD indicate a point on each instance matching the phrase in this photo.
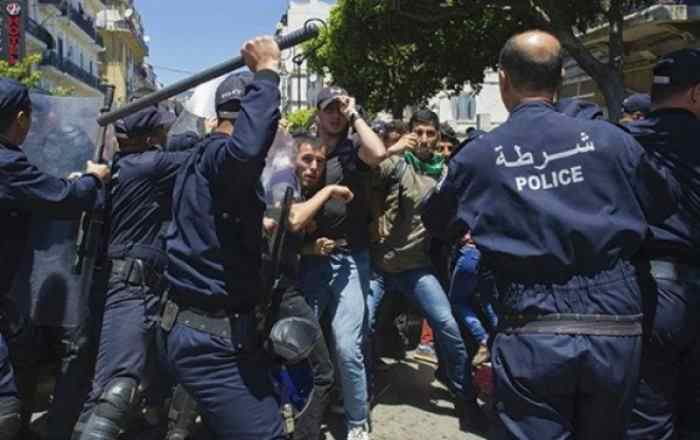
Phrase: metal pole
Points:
(308, 32)
(299, 86)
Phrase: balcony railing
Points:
(51, 58)
(114, 20)
(77, 16)
(40, 33)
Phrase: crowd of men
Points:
(559, 246)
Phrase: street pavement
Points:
(410, 405)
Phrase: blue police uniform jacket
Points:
(25, 191)
(141, 196)
(214, 242)
(549, 197)
(671, 136)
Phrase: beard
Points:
(424, 151)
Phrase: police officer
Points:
(214, 246)
(635, 107)
(140, 204)
(578, 108)
(557, 206)
(25, 191)
(668, 401)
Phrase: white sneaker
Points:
(358, 433)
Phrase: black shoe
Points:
(441, 377)
(471, 417)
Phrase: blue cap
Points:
(14, 96)
(232, 89)
(640, 102)
(143, 122)
(578, 108)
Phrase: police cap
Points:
(232, 89)
(14, 96)
(679, 68)
(639, 102)
(578, 108)
(143, 122)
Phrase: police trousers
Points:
(565, 383)
(668, 402)
(228, 377)
(126, 336)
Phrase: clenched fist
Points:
(261, 53)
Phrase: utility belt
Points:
(136, 272)
(572, 324)
(239, 327)
(674, 270)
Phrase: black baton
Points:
(308, 32)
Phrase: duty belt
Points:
(136, 272)
(675, 271)
(240, 327)
(572, 324)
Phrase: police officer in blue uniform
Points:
(557, 206)
(668, 401)
(214, 250)
(26, 191)
(140, 199)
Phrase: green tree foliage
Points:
(300, 120)
(62, 91)
(389, 60)
(23, 71)
(393, 53)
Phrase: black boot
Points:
(471, 417)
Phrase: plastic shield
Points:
(279, 174)
(199, 111)
(61, 140)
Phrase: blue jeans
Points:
(9, 397)
(338, 284)
(425, 290)
(465, 279)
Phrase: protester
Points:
(309, 166)
(448, 140)
(347, 257)
(400, 259)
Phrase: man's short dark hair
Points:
(528, 73)
(424, 116)
(661, 93)
(305, 138)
